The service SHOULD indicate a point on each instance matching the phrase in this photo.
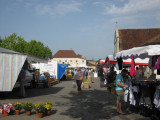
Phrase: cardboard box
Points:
(86, 85)
(90, 79)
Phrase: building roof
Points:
(3, 50)
(129, 38)
(65, 54)
(29, 57)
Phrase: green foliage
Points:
(39, 108)
(18, 106)
(9, 42)
(86, 80)
(27, 106)
(78, 55)
(38, 49)
(1, 40)
(17, 43)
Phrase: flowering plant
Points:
(39, 108)
(48, 105)
(8, 107)
(1, 109)
(28, 106)
(18, 106)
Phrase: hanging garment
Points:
(120, 63)
(132, 70)
(131, 97)
(147, 72)
(135, 89)
(126, 95)
(158, 72)
(156, 98)
(150, 65)
(157, 62)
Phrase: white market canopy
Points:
(149, 50)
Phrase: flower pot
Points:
(28, 112)
(48, 112)
(17, 112)
(40, 115)
(5, 113)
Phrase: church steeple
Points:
(116, 24)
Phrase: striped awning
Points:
(10, 67)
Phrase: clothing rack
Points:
(144, 100)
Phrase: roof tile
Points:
(65, 54)
(130, 38)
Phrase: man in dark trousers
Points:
(101, 76)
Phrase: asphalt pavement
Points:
(94, 104)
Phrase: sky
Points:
(86, 26)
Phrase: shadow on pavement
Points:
(33, 92)
(91, 105)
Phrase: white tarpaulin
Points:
(139, 60)
(75, 66)
(50, 67)
(149, 50)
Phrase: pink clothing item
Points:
(157, 64)
(132, 71)
(105, 69)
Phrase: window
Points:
(65, 60)
(70, 60)
(76, 60)
(82, 60)
(59, 60)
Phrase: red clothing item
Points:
(132, 71)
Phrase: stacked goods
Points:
(86, 83)
(90, 79)
(69, 76)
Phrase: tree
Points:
(17, 43)
(0, 41)
(20, 45)
(9, 42)
(38, 49)
(78, 55)
(47, 52)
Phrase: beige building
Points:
(91, 64)
(69, 57)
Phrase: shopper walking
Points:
(79, 79)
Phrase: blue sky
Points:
(86, 26)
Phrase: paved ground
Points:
(94, 104)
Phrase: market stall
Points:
(143, 95)
(53, 68)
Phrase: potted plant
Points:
(40, 109)
(48, 107)
(7, 108)
(28, 107)
(18, 106)
(1, 109)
